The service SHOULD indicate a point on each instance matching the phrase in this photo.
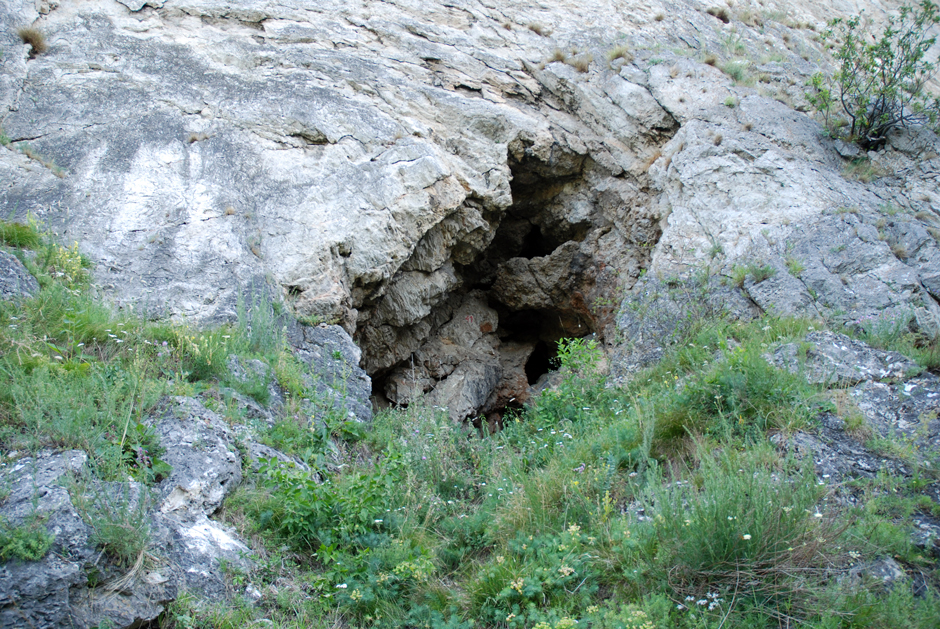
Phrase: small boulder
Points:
(15, 281)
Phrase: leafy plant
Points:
(880, 82)
(29, 541)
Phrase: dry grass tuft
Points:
(659, 17)
(720, 13)
(538, 29)
(711, 59)
(718, 139)
(582, 63)
(36, 40)
(620, 52)
(558, 55)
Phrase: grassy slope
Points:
(660, 504)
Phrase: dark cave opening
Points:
(541, 361)
(530, 275)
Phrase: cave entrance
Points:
(500, 303)
(541, 361)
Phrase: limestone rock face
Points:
(58, 590)
(375, 163)
(829, 358)
(15, 281)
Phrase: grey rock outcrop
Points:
(15, 281)
(76, 584)
(831, 358)
(333, 359)
(59, 589)
(883, 395)
(201, 448)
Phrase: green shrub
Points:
(880, 81)
(29, 541)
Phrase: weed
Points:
(717, 139)
(35, 38)
(559, 55)
(711, 536)
(14, 234)
(738, 275)
(719, 13)
(759, 273)
(30, 541)
(581, 63)
(538, 29)
(737, 70)
(31, 153)
(620, 52)
(4, 138)
(861, 170)
(118, 516)
(659, 17)
(794, 266)
(731, 102)
(710, 59)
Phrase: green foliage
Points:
(13, 234)
(735, 392)
(350, 511)
(30, 541)
(757, 532)
(117, 514)
(880, 81)
(795, 266)
(861, 169)
(759, 272)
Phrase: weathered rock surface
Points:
(200, 447)
(59, 590)
(71, 585)
(334, 359)
(881, 394)
(15, 281)
(832, 358)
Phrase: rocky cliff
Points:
(457, 185)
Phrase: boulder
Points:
(15, 281)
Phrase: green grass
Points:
(423, 522)
(14, 234)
